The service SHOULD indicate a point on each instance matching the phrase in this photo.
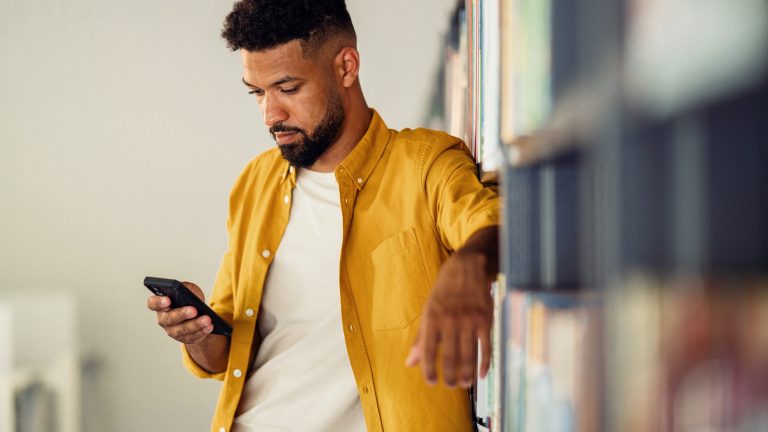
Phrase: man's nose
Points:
(273, 111)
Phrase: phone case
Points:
(181, 296)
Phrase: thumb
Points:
(414, 356)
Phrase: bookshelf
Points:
(630, 142)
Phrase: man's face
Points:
(299, 101)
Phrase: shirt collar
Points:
(361, 161)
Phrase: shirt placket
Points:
(356, 348)
(242, 343)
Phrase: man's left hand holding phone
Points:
(185, 324)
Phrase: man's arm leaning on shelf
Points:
(459, 313)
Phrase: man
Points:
(356, 252)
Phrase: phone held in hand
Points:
(181, 296)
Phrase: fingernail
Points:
(209, 329)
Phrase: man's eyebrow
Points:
(286, 79)
(282, 80)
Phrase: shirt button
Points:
(222, 429)
(249, 312)
(365, 389)
(351, 327)
(346, 201)
(360, 180)
(238, 373)
(265, 253)
(286, 199)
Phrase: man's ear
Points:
(347, 65)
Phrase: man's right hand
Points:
(182, 323)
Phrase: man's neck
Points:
(355, 125)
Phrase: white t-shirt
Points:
(301, 378)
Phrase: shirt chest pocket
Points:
(398, 282)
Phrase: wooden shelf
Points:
(489, 178)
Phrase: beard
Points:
(308, 149)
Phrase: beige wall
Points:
(122, 127)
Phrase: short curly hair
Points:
(257, 25)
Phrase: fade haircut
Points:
(257, 25)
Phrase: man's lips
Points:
(285, 137)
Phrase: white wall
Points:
(122, 127)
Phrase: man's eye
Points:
(291, 90)
(257, 92)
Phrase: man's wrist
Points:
(483, 243)
(210, 353)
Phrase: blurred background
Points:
(123, 125)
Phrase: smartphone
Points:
(181, 296)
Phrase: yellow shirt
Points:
(408, 200)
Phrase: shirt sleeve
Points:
(460, 204)
(222, 299)
(222, 303)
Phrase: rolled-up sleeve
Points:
(222, 303)
(460, 203)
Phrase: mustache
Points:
(279, 127)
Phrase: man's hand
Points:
(209, 351)
(459, 313)
(181, 324)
